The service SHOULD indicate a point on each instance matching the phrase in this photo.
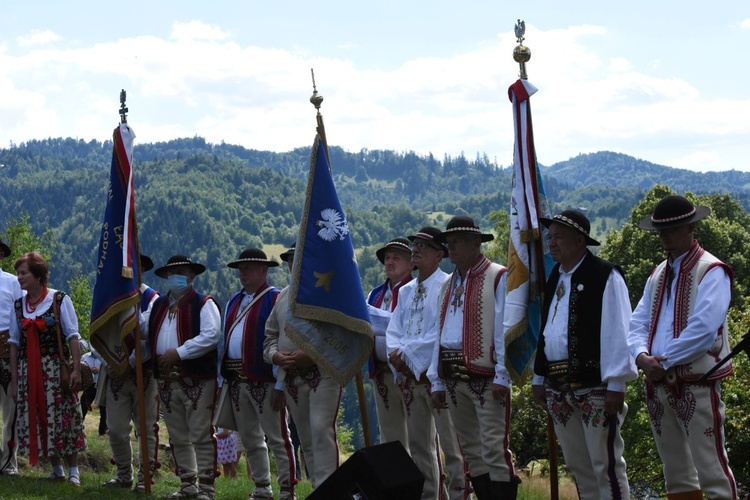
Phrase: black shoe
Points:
(116, 482)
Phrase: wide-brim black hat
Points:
(146, 263)
(463, 224)
(176, 261)
(431, 235)
(252, 256)
(574, 220)
(5, 249)
(289, 253)
(673, 211)
(395, 244)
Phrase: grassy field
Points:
(96, 468)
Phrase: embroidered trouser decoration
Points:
(687, 421)
(591, 441)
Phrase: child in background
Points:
(226, 452)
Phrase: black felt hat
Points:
(431, 235)
(574, 220)
(395, 244)
(252, 256)
(289, 253)
(5, 249)
(146, 263)
(673, 211)
(176, 261)
(466, 225)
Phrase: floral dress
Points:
(63, 434)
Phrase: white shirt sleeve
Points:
(617, 365)
(209, 336)
(639, 323)
(436, 382)
(711, 306)
(502, 377)
(68, 319)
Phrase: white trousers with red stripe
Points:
(482, 425)
(591, 442)
(389, 405)
(688, 425)
(261, 428)
(425, 425)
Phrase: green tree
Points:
(497, 249)
(80, 293)
(21, 239)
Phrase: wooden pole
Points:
(363, 410)
(554, 493)
(145, 462)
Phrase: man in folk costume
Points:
(410, 337)
(184, 331)
(469, 360)
(312, 397)
(252, 382)
(10, 291)
(396, 259)
(121, 400)
(582, 365)
(678, 332)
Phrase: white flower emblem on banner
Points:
(332, 225)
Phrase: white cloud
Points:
(201, 81)
(619, 65)
(37, 37)
(196, 30)
(703, 161)
(745, 24)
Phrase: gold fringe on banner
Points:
(127, 272)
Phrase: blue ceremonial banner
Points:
(529, 260)
(115, 300)
(328, 315)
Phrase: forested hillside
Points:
(211, 201)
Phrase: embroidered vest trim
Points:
(253, 334)
(188, 326)
(478, 323)
(694, 267)
(584, 320)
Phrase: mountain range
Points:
(212, 200)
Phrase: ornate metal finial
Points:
(316, 99)
(521, 54)
(123, 108)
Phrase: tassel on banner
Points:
(127, 272)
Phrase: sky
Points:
(665, 81)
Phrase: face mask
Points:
(177, 283)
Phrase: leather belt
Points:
(559, 379)
(452, 365)
(232, 369)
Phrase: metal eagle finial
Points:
(521, 54)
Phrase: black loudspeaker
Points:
(381, 472)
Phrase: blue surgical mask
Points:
(177, 283)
